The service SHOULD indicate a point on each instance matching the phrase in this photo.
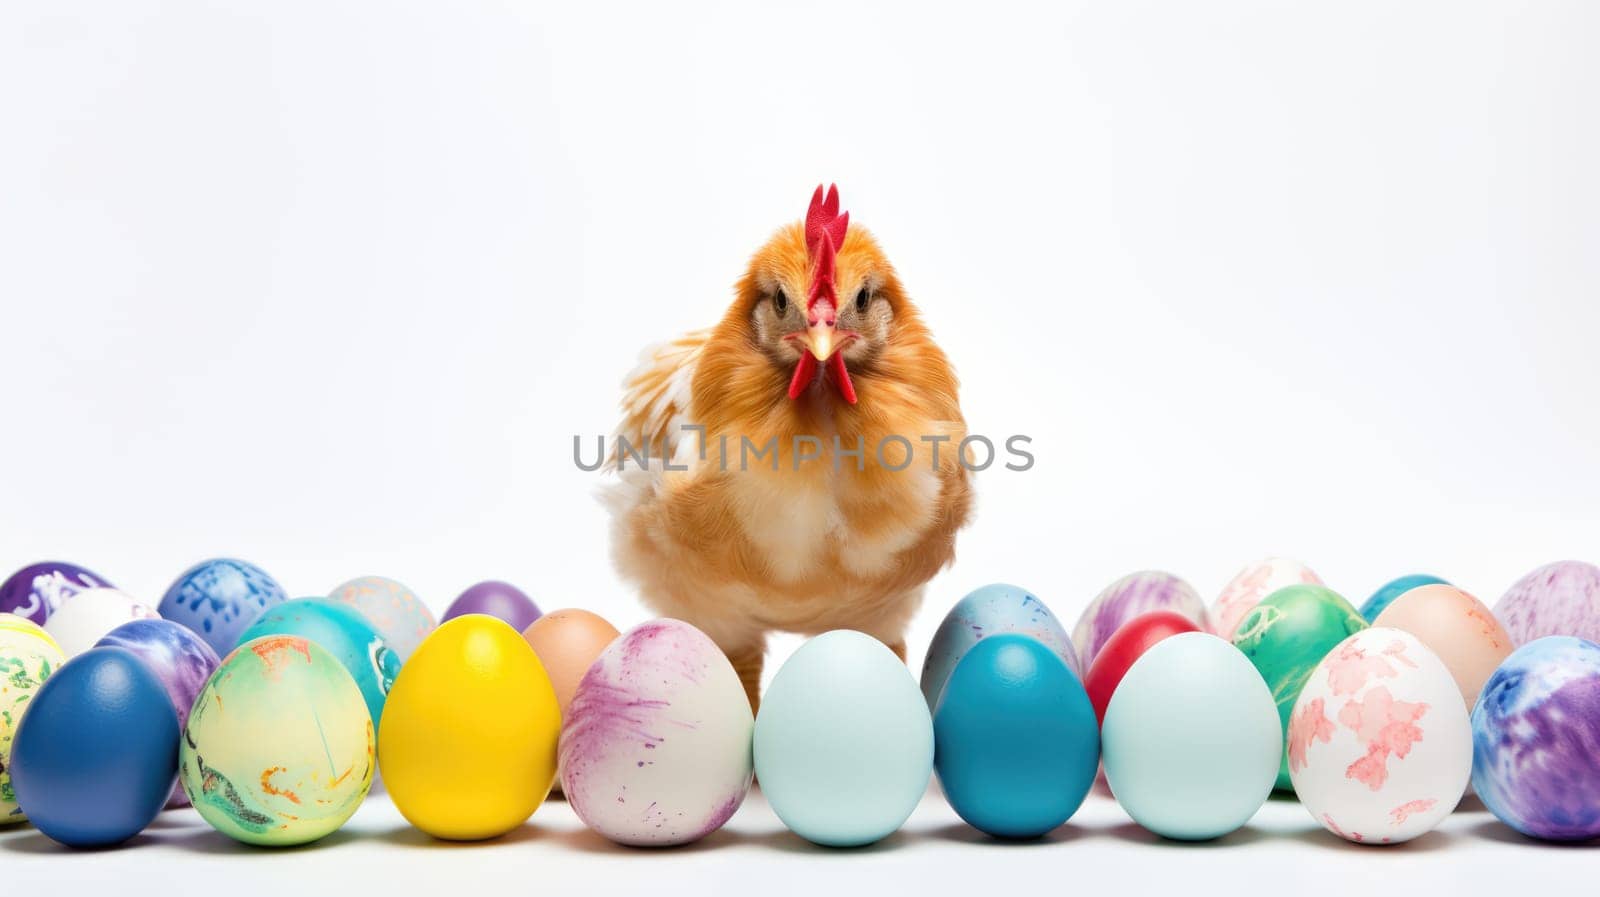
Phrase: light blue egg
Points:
(1191, 739)
(986, 611)
(1015, 739)
(343, 632)
(843, 742)
(1393, 589)
(219, 598)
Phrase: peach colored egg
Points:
(1457, 627)
(568, 642)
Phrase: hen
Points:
(794, 467)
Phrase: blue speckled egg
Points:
(986, 611)
(843, 742)
(219, 598)
(96, 754)
(1015, 738)
(343, 632)
(1394, 588)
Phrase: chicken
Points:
(743, 505)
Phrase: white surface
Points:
(331, 285)
(1099, 851)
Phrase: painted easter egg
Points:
(28, 655)
(35, 591)
(1255, 582)
(180, 660)
(86, 617)
(1016, 745)
(1125, 647)
(95, 755)
(1394, 588)
(985, 611)
(343, 632)
(497, 599)
(279, 748)
(655, 750)
(1286, 636)
(1128, 597)
(468, 744)
(1191, 739)
(568, 642)
(1557, 599)
(1455, 626)
(843, 741)
(219, 599)
(1536, 740)
(394, 610)
(1380, 749)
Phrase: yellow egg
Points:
(468, 740)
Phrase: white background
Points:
(331, 286)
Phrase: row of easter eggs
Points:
(1281, 683)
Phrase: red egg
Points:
(1125, 646)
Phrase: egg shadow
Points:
(585, 841)
(204, 839)
(38, 843)
(1322, 838)
(1495, 830)
(962, 833)
(1135, 833)
(410, 836)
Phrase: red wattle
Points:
(804, 372)
(842, 377)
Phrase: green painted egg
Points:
(28, 655)
(1286, 636)
(279, 747)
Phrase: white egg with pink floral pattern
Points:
(1380, 746)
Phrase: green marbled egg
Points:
(28, 655)
(279, 748)
(1286, 636)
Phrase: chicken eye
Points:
(862, 299)
(780, 302)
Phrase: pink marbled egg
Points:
(1250, 585)
(1380, 748)
(655, 747)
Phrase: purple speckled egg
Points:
(181, 660)
(35, 591)
(655, 747)
(497, 599)
(1557, 599)
(1128, 597)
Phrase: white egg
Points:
(1380, 747)
(655, 747)
(1255, 582)
(86, 618)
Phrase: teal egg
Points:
(843, 742)
(1015, 739)
(1191, 739)
(343, 632)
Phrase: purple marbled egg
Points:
(1557, 599)
(1128, 597)
(497, 599)
(35, 591)
(1536, 740)
(655, 747)
(181, 660)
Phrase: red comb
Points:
(825, 229)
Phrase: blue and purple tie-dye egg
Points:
(1557, 599)
(1536, 740)
(35, 591)
(219, 598)
(990, 610)
(181, 660)
(1128, 597)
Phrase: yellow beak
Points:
(819, 339)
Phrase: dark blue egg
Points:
(219, 599)
(96, 754)
(1016, 744)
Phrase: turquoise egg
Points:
(1015, 738)
(843, 742)
(343, 632)
(1191, 738)
(991, 610)
(1389, 591)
